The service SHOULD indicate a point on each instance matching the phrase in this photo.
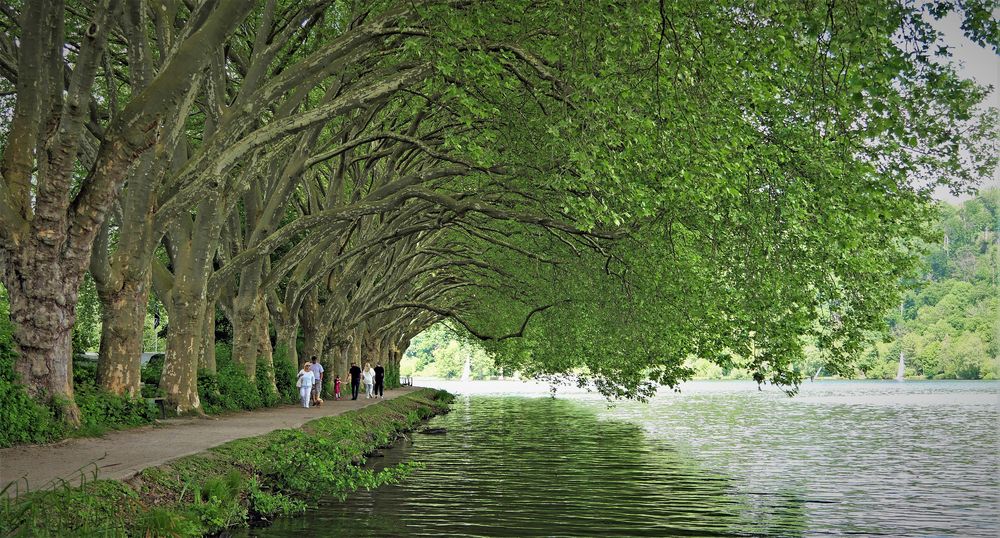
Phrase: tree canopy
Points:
(639, 182)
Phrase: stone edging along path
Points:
(120, 454)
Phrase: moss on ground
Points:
(246, 480)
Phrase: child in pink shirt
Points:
(336, 387)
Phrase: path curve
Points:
(121, 454)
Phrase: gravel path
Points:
(121, 454)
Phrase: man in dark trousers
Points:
(379, 381)
(355, 373)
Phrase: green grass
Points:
(256, 478)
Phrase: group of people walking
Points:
(310, 382)
(374, 379)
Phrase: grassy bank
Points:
(257, 478)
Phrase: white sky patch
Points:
(978, 63)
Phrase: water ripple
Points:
(868, 460)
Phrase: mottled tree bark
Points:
(206, 360)
(49, 216)
(314, 335)
(123, 315)
(192, 246)
(288, 339)
(342, 361)
(43, 314)
(264, 349)
(179, 380)
(248, 308)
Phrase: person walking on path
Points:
(317, 388)
(379, 381)
(336, 387)
(369, 379)
(305, 383)
(355, 374)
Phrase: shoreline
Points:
(249, 479)
(119, 454)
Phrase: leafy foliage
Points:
(285, 375)
(150, 374)
(87, 328)
(228, 389)
(774, 197)
(607, 188)
(101, 410)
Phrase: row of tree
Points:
(639, 181)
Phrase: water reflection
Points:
(543, 467)
(717, 459)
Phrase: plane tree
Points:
(66, 155)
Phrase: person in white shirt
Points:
(369, 376)
(317, 388)
(305, 383)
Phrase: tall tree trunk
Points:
(331, 359)
(354, 351)
(314, 331)
(179, 381)
(288, 334)
(43, 313)
(371, 351)
(248, 305)
(192, 245)
(313, 344)
(392, 370)
(264, 349)
(343, 359)
(206, 360)
(246, 334)
(123, 316)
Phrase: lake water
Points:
(717, 459)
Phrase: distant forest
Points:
(947, 326)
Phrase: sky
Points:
(975, 62)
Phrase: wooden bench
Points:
(406, 381)
(161, 403)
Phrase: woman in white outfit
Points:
(369, 376)
(305, 383)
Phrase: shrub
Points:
(84, 371)
(218, 502)
(100, 409)
(97, 508)
(228, 389)
(284, 376)
(164, 522)
(151, 370)
(268, 505)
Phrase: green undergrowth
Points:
(227, 390)
(235, 484)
